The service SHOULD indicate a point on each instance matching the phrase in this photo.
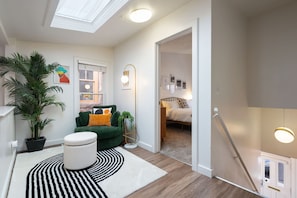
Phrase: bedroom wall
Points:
(229, 94)
(272, 58)
(179, 66)
(64, 122)
(140, 50)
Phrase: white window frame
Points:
(91, 63)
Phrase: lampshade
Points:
(140, 15)
(284, 134)
(125, 77)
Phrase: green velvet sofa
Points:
(107, 136)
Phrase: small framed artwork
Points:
(184, 85)
(172, 79)
(62, 74)
(178, 83)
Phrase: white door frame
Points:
(276, 189)
(194, 93)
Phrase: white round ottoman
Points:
(80, 150)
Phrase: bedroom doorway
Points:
(175, 96)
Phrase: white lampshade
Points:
(124, 79)
(140, 15)
(284, 134)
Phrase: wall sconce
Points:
(284, 134)
(125, 80)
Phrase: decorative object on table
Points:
(30, 92)
(127, 134)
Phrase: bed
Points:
(178, 110)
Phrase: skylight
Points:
(85, 15)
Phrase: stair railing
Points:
(217, 115)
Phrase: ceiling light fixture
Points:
(140, 15)
(284, 134)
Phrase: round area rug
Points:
(49, 178)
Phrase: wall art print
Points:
(62, 74)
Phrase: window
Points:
(91, 90)
(281, 173)
(267, 169)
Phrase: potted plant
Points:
(126, 118)
(30, 92)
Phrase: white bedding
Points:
(179, 114)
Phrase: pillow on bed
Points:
(170, 104)
(183, 103)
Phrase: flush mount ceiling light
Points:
(284, 134)
(85, 15)
(140, 15)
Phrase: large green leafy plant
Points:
(30, 92)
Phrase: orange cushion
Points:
(99, 120)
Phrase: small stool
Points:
(80, 150)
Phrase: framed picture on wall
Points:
(62, 74)
(172, 79)
(184, 85)
(178, 83)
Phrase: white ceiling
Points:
(29, 20)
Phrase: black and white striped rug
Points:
(49, 178)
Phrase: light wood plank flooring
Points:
(182, 182)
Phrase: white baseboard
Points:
(145, 146)
(8, 175)
(56, 142)
(205, 170)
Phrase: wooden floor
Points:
(182, 182)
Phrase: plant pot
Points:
(35, 144)
(129, 125)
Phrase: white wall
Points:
(64, 122)
(7, 153)
(179, 66)
(229, 94)
(271, 119)
(272, 58)
(140, 50)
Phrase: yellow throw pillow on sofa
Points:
(99, 120)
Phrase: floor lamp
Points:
(125, 80)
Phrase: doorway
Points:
(276, 176)
(175, 96)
